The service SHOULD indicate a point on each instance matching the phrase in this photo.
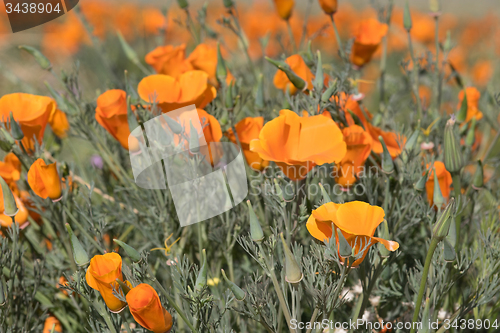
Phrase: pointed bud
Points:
(293, 274)
(15, 129)
(279, 191)
(228, 3)
(79, 254)
(183, 4)
(201, 280)
(387, 163)
(229, 97)
(124, 287)
(452, 233)
(9, 202)
(384, 253)
(449, 251)
(328, 93)
(133, 254)
(319, 80)
(410, 145)
(442, 226)
(437, 198)
(453, 157)
(255, 229)
(174, 126)
(194, 139)
(259, 92)
(238, 293)
(326, 197)
(478, 180)
(345, 250)
(128, 50)
(308, 55)
(420, 184)
(6, 135)
(471, 133)
(39, 57)
(221, 70)
(289, 192)
(297, 81)
(407, 17)
(462, 113)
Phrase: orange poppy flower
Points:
(357, 221)
(473, 96)
(348, 103)
(284, 8)
(145, 306)
(170, 93)
(169, 60)
(297, 144)
(59, 123)
(44, 180)
(368, 37)
(31, 111)
(111, 113)
(52, 325)
(10, 168)
(359, 146)
(444, 180)
(204, 58)
(102, 274)
(482, 72)
(298, 65)
(329, 6)
(393, 141)
(248, 129)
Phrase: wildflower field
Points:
(252, 166)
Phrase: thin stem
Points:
(428, 260)
(292, 39)
(415, 76)
(337, 36)
(457, 188)
(125, 322)
(313, 318)
(438, 74)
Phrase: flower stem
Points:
(457, 187)
(292, 39)
(337, 36)
(415, 77)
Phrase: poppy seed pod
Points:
(238, 293)
(453, 157)
(9, 202)
(293, 274)
(318, 80)
(201, 280)
(79, 254)
(255, 229)
(129, 250)
(442, 226)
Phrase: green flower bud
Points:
(328, 93)
(183, 4)
(228, 3)
(449, 251)
(442, 226)
(326, 197)
(453, 157)
(201, 280)
(462, 113)
(410, 144)
(255, 229)
(221, 70)
(238, 293)
(478, 180)
(420, 184)
(319, 80)
(174, 126)
(407, 17)
(259, 92)
(437, 198)
(296, 80)
(9, 202)
(293, 274)
(124, 287)
(79, 254)
(15, 129)
(5, 146)
(308, 55)
(345, 250)
(435, 5)
(194, 139)
(129, 250)
(289, 192)
(387, 163)
(39, 57)
(6, 135)
(471, 133)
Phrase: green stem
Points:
(292, 39)
(457, 188)
(125, 322)
(428, 260)
(313, 318)
(337, 36)
(415, 76)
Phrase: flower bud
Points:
(194, 139)
(228, 3)
(201, 280)
(6, 135)
(328, 93)
(238, 293)
(79, 254)
(39, 57)
(9, 202)
(318, 80)
(437, 198)
(462, 113)
(326, 197)
(435, 5)
(410, 145)
(387, 163)
(128, 50)
(449, 251)
(289, 192)
(296, 80)
(293, 274)
(308, 54)
(129, 250)
(420, 184)
(124, 287)
(15, 128)
(471, 133)
(183, 4)
(453, 158)
(255, 229)
(174, 126)
(345, 250)
(221, 70)
(407, 17)
(356, 119)
(442, 226)
(478, 180)
(259, 92)
(329, 6)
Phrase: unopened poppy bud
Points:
(279, 191)
(5, 146)
(289, 192)
(194, 139)
(308, 55)
(79, 254)
(284, 8)
(478, 180)
(183, 4)
(410, 145)
(201, 280)
(9, 202)
(174, 126)
(296, 80)
(329, 6)
(326, 197)
(453, 157)
(129, 250)
(471, 133)
(6, 135)
(345, 250)
(420, 184)
(221, 70)
(442, 226)
(435, 5)
(449, 252)
(238, 293)
(319, 80)
(387, 163)
(259, 92)
(437, 198)
(255, 229)
(328, 93)
(407, 17)
(292, 269)
(228, 3)
(462, 113)
(15, 128)
(39, 57)
(124, 287)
